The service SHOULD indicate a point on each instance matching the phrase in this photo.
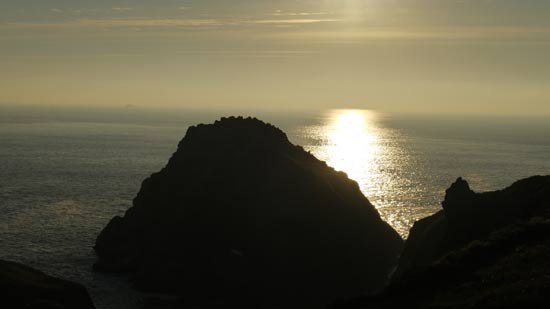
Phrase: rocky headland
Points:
(483, 250)
(22, 287)
(241, 216)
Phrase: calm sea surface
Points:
(65, 173)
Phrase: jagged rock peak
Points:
(458, 194)
(251, 128)
(459, 184)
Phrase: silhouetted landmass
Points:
(468, 216)
(483, 250)
(240, 216)
(24, 287)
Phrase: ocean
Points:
(65, 172)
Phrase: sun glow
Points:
(353, 143)
(358, 143)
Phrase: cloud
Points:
(115, 23)
(313, 34)
(293, 21)
(164, 22)
(281, 13)
(458, 34)
(56, 10)
(121, 9)
(155, 22)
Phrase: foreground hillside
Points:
(22, 287)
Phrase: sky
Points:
(417, 56)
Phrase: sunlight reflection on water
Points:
(352, 141)
(404, 165)
(353, 144)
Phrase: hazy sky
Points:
(462, 56)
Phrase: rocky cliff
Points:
(468, 216)
(483, 250)
(240, 215)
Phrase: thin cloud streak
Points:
(164, 22)
(116, 23)
(421, 34)
(280, 13)
(343, 32)
(294, 21)
(122, 9)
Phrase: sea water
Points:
(66, 172)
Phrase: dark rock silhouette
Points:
(24, 287)
(239, 215)
(468, 216)
(484, 250)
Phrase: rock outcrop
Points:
(468, 216)
(241, 216)
(483, 250)
(24, 287)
